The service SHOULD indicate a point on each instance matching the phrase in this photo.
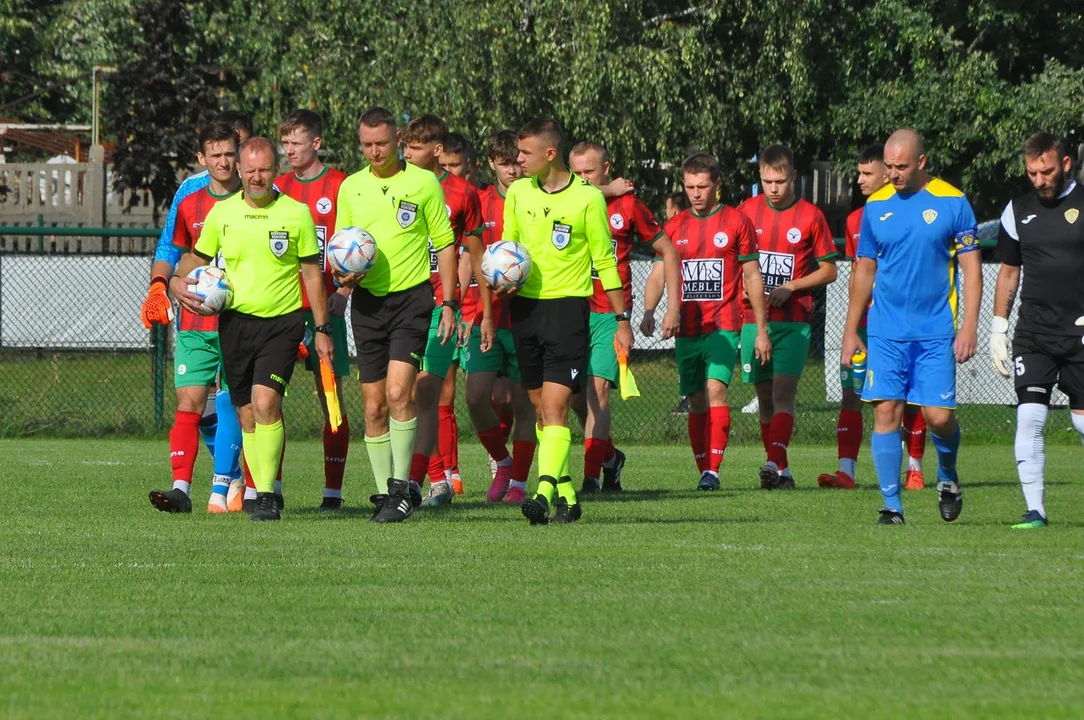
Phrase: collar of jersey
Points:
(312, 179)
(1069, 189)
(718, 208)
(223, 197)
(241, 193)
(781, 209)
(538, 184)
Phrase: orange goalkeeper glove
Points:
(156, 307)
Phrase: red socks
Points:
(594, 454)
(698, 439)
(448, 437)
(718, 436)
(336, 445)
(493, 441)
(418, 465)
(504, 414)
(522, 457)
(914, 425)
(184, 444)
(249, 482)
(849, 434)
(781, 429)
(766, 436)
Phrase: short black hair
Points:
(548, 129)
(425, 129)
(874, 153)
(776, 157)
(218, 131)
(237, 120)
(1041, 143)
(303, 119)
(458, 144)
(376, 117)
(501, 147)
(680, 200)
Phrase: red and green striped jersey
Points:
(492, 204)
(464, 212)
(320, 195)
(630, 220)
(186, 231)
(712, 249)
(854, 226)
(792, 241)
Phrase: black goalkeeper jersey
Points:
(1046, 240)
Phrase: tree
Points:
(155, 103)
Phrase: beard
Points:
(1049, 194)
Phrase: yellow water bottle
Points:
(858, 371)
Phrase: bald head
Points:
(257, 164)
(905, 161)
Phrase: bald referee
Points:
(264, 239)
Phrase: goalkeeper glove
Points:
(157, 307)
(999, 346)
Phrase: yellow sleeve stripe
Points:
(939, 188)
(883, 194)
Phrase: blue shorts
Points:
(919, 372)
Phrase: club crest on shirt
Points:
(720, 240)
(406, 213)
(929, 216)
(794, 236)
(279, 240)
(323, 206)
(561, 236)
(1071, 215)
(617, 221)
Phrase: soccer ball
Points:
(506, 265)
(351, 251)
(213, 287)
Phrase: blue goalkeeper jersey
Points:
(915, 239)
(166, 250)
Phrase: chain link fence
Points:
(76, 361)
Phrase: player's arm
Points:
(969, 258)
(863, 273)
(600, 246)
(824, 250)
(443, 238)
(472, 217)
(616, 188)
(652, 295)
(344, 219)
(312, 277)
(671, 264)
(156, 306)
(1008, 282)
(754, 287)
(511, 231)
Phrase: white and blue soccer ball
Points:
(351, 251)
(506, 264)
(213, 287)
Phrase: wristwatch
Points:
(325, 328)
(626, 316)
(453, 304)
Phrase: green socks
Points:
(379, 449)
(268, 440)
(402, 446)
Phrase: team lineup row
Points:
(738, 284)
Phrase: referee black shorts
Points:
(258, 351)
(1040, 361)
(551, 338)
(390, 327)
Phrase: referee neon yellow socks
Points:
(379, 449)
(554, 446)
(402, 446)
(269, 441)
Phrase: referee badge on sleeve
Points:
(562, 234)
(279, 241)
(406, 213)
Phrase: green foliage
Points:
(648, 78)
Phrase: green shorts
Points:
(846, 374)
(196, 359)
(705, 357)
(790, 349)
(500, 359)
(438, 358)
(601, 355)
(340, 361)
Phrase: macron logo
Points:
(886, 216)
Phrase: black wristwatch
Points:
(453, 304)
(626, 316)
(325, 328)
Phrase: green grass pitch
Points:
(661, 603)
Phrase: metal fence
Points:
(76, 361)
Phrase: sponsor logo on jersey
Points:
(432, 256)
(885, 216)
(255, 217)
(561, 236)
(406, 213)
(1028, 219)
(323, 206)
(929, 216)
(321, 240)
(1071, 215)
(720, 240)
(794, 236)
(777, 269)
(683, 241)
(617, 221)
(702, 280)
(279, 240)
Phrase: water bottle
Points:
(858, 371)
